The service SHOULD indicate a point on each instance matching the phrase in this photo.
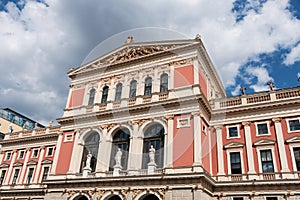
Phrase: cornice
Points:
(140, 107)
(30, 138)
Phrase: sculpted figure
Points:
(152, 154)
(118, 157)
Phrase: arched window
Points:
(91, 145)
(132, 92)
(104, 94)
(118, 92)
(150, 197)
(154, 135)
(164, 82)
(148, 86)
(92, 97)
(120, 140)
(115, 197)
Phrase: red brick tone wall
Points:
(76, 98)
(65, 154)
(183, 143)
(183, 76)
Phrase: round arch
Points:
(109, 194)
(114, 130)
(146, 194)
(82, 196)
(147, 124)
(83, 136)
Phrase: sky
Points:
(250, 42)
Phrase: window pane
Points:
(104, 94)
(235, 162)
(120, 140)
(233, 131)
(92, 97)
(132, 92)
(154, 135)
(118, 92)
(266, 161)
(297, 157)
(148, 86)
(262, 129)
(294, 125)
(164, 83)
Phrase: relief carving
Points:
(134, 52)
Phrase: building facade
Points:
(152, 121)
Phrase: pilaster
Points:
(169, 146)
(23, 169)
(197, 142)
(281, 147)
(57, 152)
(220, 150)
(10, 169)
(38, 167)
(250, 159)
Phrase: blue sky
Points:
(249, 41)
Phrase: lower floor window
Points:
(297, 157)
(267, 161)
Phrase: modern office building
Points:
(151, 121)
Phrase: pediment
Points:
(264, 142)
(294, 139)
(32, 162)
(18, 164)
(131, 51)
(4, 165)
(47, 162)
(234, 145)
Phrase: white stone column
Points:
(250, 159)
(171, 77)
(125, 91)
(220, 150)
(111, 95)
(23, 169)
(197, 143)
(57, 152)
(10, 169)
(38, 167)
(140, 88)
(135, 149)
(104, 149)
(169, 146)
(155, 81)
(281, 147)
(76, 155)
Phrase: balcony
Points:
(257, 98)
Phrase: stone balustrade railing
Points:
(243, 100)
(28, 133)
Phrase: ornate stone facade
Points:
(162, 109)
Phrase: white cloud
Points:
(293, 56)
(236, 91)
(40, 42)
(261, 76)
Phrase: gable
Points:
(234, 145)
(264, 142)
(294, 139)
(132, 51)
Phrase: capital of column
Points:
(14, 150)
(42, 147)
(218, 127)
(277, 119)
(197, 113)
(28, 149)
(169, 117)
(246, 123)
